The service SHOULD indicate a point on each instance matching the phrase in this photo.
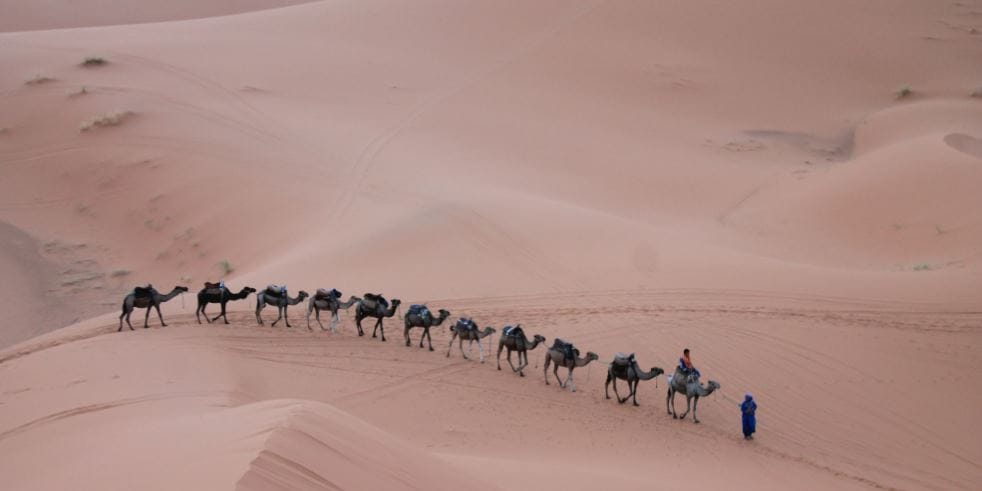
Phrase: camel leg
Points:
(159, 315)
(405, 334)
(381, 327)
(688, 406)
(279, 316)
(126, 313)
(634, 392)
(222, 314)
(607, 384)
(695, 405)
(317, 314)
(335, 320)
(545, 368)
(555, 372)
(429, 339)
(523, 361)
(460, 345)
(453, 336)
(259, 308)
(146, 318)
(286, 317)
(361, 332)
(668, 395)
(480, 348)
(570, 382)
(198, 310)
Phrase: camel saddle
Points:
(466, 324)
(566, 348)
(623, 360)
(421, 310)
(323, 294)
(143, 291)
(373, 300)
(276, 291)
(512, 331)
(214, 288)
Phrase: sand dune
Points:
(60, 14)
(744, 178)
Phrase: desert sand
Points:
(790, 189)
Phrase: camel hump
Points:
(419, 309)
(276, 290)
(513, 331)
(372, 296)
(143, 291)
(561, 343)
(623, 359)
(212, 286)
(467, 324)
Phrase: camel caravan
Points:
(561, 353)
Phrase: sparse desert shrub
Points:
(119, 273)
(94, 61)
(109, 119)
(38, 80)
(922, 267)
(226, 267)
(904, 91)
(977, 92)
(77, 91)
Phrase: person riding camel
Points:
(685, 364)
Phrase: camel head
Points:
(539, 338)
(592, 356)
(249, 290)
(657, 371)
(181, 288)
(396, 302)
(302, 295)
(713, 385)
(444, 313)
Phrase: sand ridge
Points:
(748, 179)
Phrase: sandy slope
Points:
(839, 384)
(690, 156)
(59, 14)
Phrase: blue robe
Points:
(749, 410)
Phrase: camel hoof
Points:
(520, 374)
(572, 389)
(636, 404)
(695, 421)
(675, 417)
(431, 348)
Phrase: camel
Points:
(374, 305)
(625, 367)
(415, 319)
(563, 353)
(690, 386)
(277, 296)
(215, 293)
(145, 298)
(467, 330)
(329, 300)
(514, 339)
